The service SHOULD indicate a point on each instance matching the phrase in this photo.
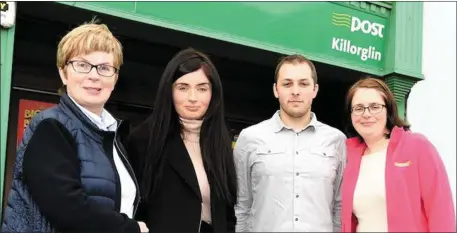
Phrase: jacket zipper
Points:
(131, 170)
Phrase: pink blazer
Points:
(418, 193)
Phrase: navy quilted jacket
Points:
(99, 177)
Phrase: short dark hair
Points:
(393, 119)
(296, 59)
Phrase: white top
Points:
(107, 122)
(370, 194)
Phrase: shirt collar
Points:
(105, 121)
(279, 124)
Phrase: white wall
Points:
(432, 102)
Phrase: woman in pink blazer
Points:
(394, 180)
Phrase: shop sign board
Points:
(327, 32)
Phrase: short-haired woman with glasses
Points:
(394, 180)
(71, 172)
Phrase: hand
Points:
(143, 227)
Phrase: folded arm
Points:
(51, 170)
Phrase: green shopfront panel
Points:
(327, 32)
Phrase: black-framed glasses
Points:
(374, 109)
(85, 68)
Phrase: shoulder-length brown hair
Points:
(393, 119)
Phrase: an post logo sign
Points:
(348, 46)
(356, 24)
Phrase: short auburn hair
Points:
(393, 119)
(86, 38)
(296, 59)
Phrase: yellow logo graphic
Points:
(343, 20)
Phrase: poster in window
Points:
(27, 110)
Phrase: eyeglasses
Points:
(85, 68)
(374, 109)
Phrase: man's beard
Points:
(296, 114)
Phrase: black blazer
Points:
(176, 205)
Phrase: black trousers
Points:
(206, 228)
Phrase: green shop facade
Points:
(244, 39)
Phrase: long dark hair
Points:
(215, 141)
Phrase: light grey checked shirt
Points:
(289, 181)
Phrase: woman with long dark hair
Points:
(182, 152)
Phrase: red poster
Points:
(27, 110)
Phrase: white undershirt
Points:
(107, 122)
(370, 194)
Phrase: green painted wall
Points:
(6, 65)
(404, 51)
(404, 47)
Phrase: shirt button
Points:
(296, 219)
(298, 174)
(296, 152)
(297, 196)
